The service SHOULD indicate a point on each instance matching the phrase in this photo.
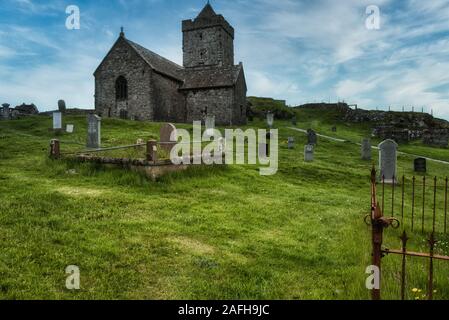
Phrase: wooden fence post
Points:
(152, 151)
(55, 151)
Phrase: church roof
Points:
(211, 78)
(158, 63)
(207, 12)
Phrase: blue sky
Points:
(301, 51)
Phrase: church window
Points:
(121, 88)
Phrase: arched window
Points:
(121, 88)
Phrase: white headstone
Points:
(167, 131)
(308, 152)
(69, 128)
(388, 161)
(93, 131)
(57, 120)
(270, 119)
(210, 125)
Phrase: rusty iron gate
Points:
(379, 223)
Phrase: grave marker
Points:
(57, 120)
(69, 128)
(166, 133)
(420, 165)
(366, 149)
(270, 119)
(93, 131)
(311, 137)
(309, 152)
(388, 161)
(291, 143)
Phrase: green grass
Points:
(207, 233)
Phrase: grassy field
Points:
(207, 233)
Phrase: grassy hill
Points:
(207, 233)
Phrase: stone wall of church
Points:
(168, 101)
(208, 46)
(217, 102)
(123, 61)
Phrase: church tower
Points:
(208, 40)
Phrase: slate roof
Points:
(207, 12)
(158, 63)
(211, 78)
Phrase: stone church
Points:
(135, 83)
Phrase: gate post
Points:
(377, 233)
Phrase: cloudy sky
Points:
(298, 50)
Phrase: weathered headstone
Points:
(420, 165)
(294, 121)
(311, 137)
(69, 128)
(4, 112)
(366, 149)
(57, 120)
(93, 131)
(309, 152)
(210, 125)
(270, 119)
(291, 142)
(388, 161)
(166, 133)
(61, 106)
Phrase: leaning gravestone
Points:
(308, 152)
(166, 132)
(311, 137)
(388, 161)
(270, 119)
(291, 142)
(61, 106)
(420, 165)
(210, 125)
(366, 149)
(57, 120)
(93, 131)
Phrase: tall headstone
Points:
(57, 120)
(311, 137)
(366, 149)
(166, 132)
(4, 114)
(61, 106)
(388, 161)
(309, 152)
(93, 131)
(210, 125)
(270, 119)
(291, 142)
(420, 165)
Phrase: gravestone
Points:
(309, 152)
(61, 106)
(165, 137)
(388, 161)
(294, 121)
(57, 120)
(270, 119)
(420, 165)
(210, 125)
(291, 142)
(69, 128)
(311, 137)
(93, 131)
(366, 149)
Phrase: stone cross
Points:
(309, 152)
(270, 119)
(57, 120)
(366, 149)
(93, 131)
(420, 165)
(167, 131)
(388, 161)
(311, 137)
(61, 106)
(210, 125)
